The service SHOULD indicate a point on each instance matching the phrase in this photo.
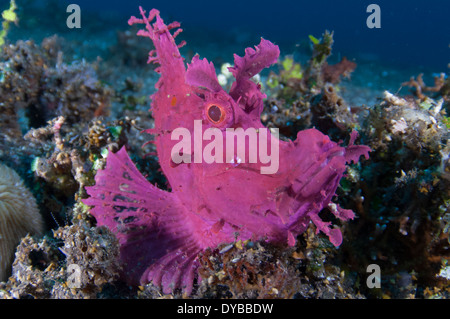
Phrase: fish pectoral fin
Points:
(156, 243)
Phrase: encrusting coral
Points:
(19, 216)
(35, 80)
(405, 188)
(78, 263)
(304, 96)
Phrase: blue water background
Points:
(412, 32)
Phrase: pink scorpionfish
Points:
(213, 202)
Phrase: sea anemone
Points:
(19, 215)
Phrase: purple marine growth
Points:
(161, 232)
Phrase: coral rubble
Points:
(77, 262)
(35, 80)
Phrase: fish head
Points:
(243, 104)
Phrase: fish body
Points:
(260, 188)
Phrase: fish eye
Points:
(216, 113)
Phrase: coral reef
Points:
(19, 216)
(67, 157)
(247, 270)
(83, 96)
(79, 261)
(262, 270)
(35, 80)
(37, 87)
(308, 96)
(48, 124)
(62, 169)
(42, 266)
(401, 194)
(405, 191)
